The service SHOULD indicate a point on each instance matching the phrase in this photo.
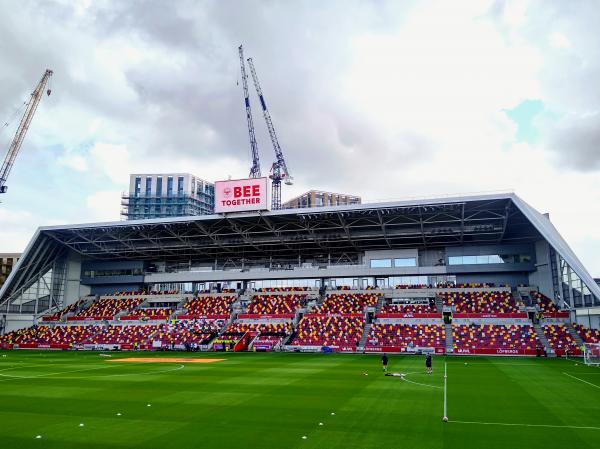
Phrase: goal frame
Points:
(591, 354)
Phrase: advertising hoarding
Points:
(241, 195)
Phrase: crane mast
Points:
(279, 170)
(255, 169)
(15, 146)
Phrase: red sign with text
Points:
(241, 195)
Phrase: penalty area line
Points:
(581, 380)
(524, 425)
(445, 416)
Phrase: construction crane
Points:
(255, 169)
(30, 108)
(279, 170)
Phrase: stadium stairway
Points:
(380, 303)
(439, 304)
(363, 339)
(543, 340)
(449, 340)
(575, 335)
(518, 299)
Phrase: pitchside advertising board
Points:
(241, 195)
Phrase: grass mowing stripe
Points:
(445, 415)
(271, 400)
(581, 380)
(524, 425)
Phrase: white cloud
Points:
(75, 161)
(17, 228)
(103, 206)
(396, 100)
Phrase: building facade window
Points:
(180, 185)
(137, 187)
(405, 262)
(489, 259)
(159, 186)
(148, 186)
(381, 263)
(170, 186)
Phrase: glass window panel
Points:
(481, 260)
(455, 260)
(495, 258)
(469, 260)
(405, 262)
(381, 263)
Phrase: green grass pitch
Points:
(72, 400)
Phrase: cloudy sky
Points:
(387, 100)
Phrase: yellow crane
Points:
(30, 108)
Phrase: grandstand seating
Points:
(44, 335)
(71, 308)
(283, 289)
(275, 304)
(107, 308)
(406, 335)
(587, 335)
(495, 336)
(188, 331)
(559, 338)
(545, 304)
(209, 305)
(320, 330)
(124, 334)
(480, 302)
(409, 308)
(270, 328)
(160, 313)
(348, 302)
(266, 341)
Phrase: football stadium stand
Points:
(545, 304)
(348, 302)
(209, 306)
(275, 304)
(270, 328)
(403, 336)
(335, 331)
(586, 334)
(560, 339)
(107, 308)
(479, 274)
(189, 332)
(480, 302)
(409, 308)
(495, 339)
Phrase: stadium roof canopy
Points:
(462, 220)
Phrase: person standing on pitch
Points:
(428, 364)
(384, 362)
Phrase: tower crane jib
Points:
(15, 146)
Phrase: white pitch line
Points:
(581, 380)
(417, 383)
(10, 377)
(445, 387)
(525, 425)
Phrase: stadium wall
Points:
(542, 275)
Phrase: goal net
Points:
(591, 354)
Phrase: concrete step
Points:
(380, 303)
(575, 335)
(365, 334)
(449, 339)
(543, 339)
(439, 304)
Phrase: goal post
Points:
(591, 354)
